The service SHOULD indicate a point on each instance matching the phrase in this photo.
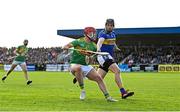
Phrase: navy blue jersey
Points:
(109, 42)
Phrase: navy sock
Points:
(123, 91)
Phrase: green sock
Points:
(106, 95)
(81, 86)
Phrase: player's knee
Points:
(76, 69)
(117, 72)
(25, 70)
(72, 72)
(79, 68)
(10, 70)
(98, 78)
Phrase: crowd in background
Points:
(128, 54)
(153, 55)
(34, 56)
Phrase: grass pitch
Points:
(54, 91)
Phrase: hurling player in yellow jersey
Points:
(20, 59)
(80, 68)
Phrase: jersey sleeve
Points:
(75, 43)
(17, 49)
(102, 35)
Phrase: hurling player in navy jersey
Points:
(106, 43)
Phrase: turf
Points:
(54, 91)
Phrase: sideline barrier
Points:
(30, 67)
(57, 67)
(169, 68)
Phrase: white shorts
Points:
(102, 58)
(85, 69)
(19, 63)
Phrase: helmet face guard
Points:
(90, 32)
(92, 36)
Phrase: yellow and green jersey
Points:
(21, 51)
(77, 57)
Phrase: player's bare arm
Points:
(99, 44)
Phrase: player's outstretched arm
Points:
(99, 44)
(66, 47)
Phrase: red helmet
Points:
(90, 32)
